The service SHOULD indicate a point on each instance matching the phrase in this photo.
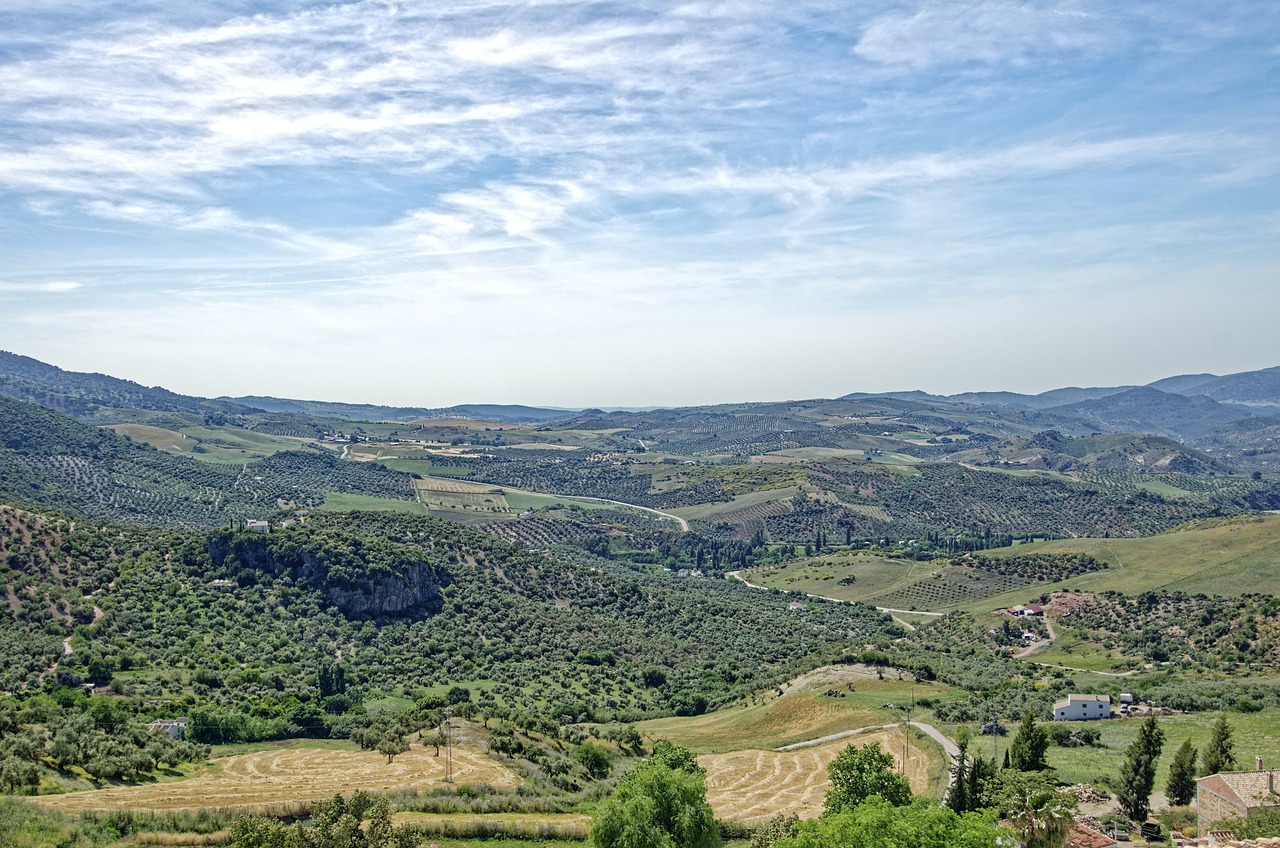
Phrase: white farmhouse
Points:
(1082, 708)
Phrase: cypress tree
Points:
(1181, 787)
(1219, 754)
(1138, 774)
(1027, 753)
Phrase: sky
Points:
(639, 203)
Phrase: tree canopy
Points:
(858, 773)
(656, 806)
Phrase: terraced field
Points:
(267, 779)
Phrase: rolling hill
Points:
(52, 461)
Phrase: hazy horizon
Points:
(633, 406)
(643, 204)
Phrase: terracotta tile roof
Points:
(1081, 836)
(1249, 789)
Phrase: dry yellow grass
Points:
(754, 786)
(270, 778)
(797, 717)
(440, 484)
(518, 825)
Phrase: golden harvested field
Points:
(754, 786)
(442, 484)
(518, 825)
(290, 775)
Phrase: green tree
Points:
(778, 828)
(1138, 774)
(1040, 813)
(858, 773)
(1219, 754)
(391, 744)
(657, 807)
(594, 759)
(1181, 788)
(1027, 752)
(675, 757)
(876, 823)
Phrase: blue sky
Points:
(639, 203)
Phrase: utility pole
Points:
(448, 750)
(907, 755)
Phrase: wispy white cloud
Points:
(557, 164)
(989, 32)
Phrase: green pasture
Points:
(799, 716)
(211, 444)
(709, 510)
(1254, 734)
(159, 438)
(425, 467)
(819, 453)
(233, 444)
(874, 575)
(1223, 556)
(345, 502)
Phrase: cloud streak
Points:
(571, 163)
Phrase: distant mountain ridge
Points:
(88, 396)
(374, 412)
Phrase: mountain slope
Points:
(1249, 388)
(1148, 410)
(92, 396)
(1124, 452)
(52, 461)
(404, 602)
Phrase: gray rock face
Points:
(417, 588)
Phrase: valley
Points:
(316, 597)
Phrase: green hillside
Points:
(51, 461)
(1229, 556)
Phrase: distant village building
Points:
(1234, 795)
(795, 605)
(258, 526)
(1082, 708)
(177, 728)
(1026, 610)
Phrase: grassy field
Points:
(709, 510)
(1255, 734)
(570, 826)
(278, 777)
(803, 713)
(821, 576)
(1221, 556)
(221, 444)
(344, 501)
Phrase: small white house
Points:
(177, 728)
(1082, 708)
